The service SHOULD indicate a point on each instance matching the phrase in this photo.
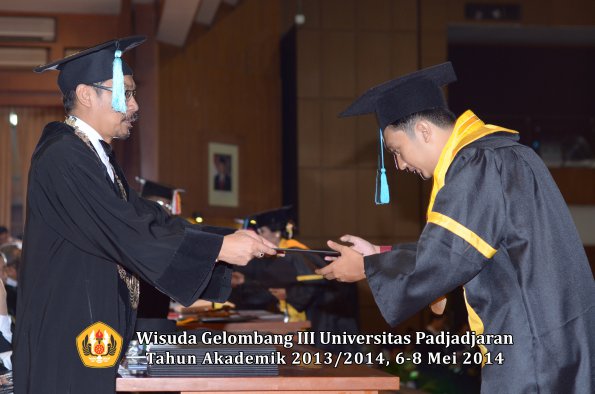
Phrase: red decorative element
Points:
(99, 349)
(99, 335)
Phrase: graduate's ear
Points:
(423, 130)
(83, 95)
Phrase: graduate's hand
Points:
(242, 246)
(347, 268)
(358, 244)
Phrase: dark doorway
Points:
(545, 91)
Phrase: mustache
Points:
(133, 117)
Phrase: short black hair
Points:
(69, 100)
(441, 117)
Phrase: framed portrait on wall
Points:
(223, 174)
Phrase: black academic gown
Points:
(78, 228)
(537, 286)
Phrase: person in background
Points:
(9, 275)
(496, 224)
(7, 238)
(275, 281)
(329, 306)
(154, 304)
(4, 235)
(89, 237)
(5, 328)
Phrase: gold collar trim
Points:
(468, 128)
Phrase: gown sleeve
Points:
(464, 227)
(79, 204)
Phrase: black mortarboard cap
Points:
(154, 189)
(275, 219)
(92, 65)
(406, 95)
(160, 191)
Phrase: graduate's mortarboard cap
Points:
(406, 95)
(398, 98)
(97, 64)
(165, 195)
(275, 219)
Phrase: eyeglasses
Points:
(396, 161)
(127, 93)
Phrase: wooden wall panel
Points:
(357, 50)
(311, 9)
(311, 205)
(339, 193)
(338, 135)
(372, 59)
(309, 63)
(337, 14)
(366, 139)
(224, 86)
(309, 133)
(373, 15)
(403, 48)
(577, 185)
(433, 15)
(338, 64)
(434, 48)
(404, 15)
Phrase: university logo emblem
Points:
(99, 346)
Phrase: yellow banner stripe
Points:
(452, 225)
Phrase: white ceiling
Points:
(63, 6)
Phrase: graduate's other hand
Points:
(360, 245)
(237, 279)
(347, 268)
(242, 246)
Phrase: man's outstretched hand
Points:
(244, 245)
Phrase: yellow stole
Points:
(468, 128)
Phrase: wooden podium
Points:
(292, 379)
(345, 379)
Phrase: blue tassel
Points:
(118, 90)
(382, 193)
